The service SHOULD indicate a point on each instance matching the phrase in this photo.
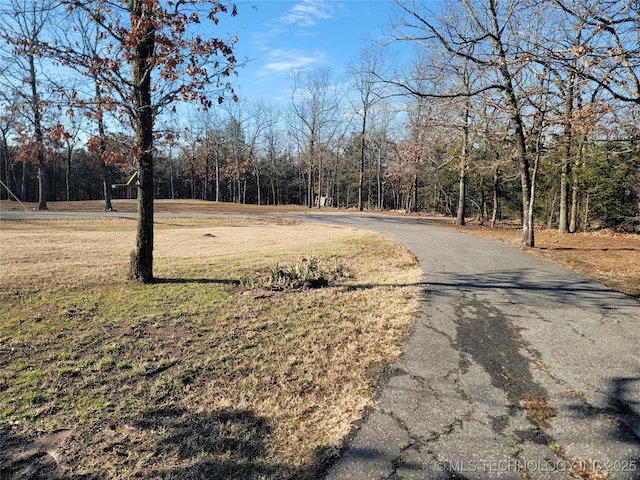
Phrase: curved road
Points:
(498, 330)
(500, 334)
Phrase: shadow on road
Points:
(573, 290)
(579, 291)
(623, 414)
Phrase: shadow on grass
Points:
(158, 443)
(216, 281)
(219, 444)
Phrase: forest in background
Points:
(509, 108)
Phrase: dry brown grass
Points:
(160, 206)
(536, 408)
(587, 469)
(189, 377)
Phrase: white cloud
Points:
(308, 12)
(281, 61)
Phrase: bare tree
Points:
(364, 74)
(6, 125)
(160, 37)
(24, 23)
(604, 53)
(250, 121)
(314, 106)
(273, 147)
(490, 36)
(608, 52)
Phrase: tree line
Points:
(506, 109)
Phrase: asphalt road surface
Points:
(500, 330)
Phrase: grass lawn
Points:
(221, 369)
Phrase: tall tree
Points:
(608, 53)
(490, 35)
(6, 125)
(314, 105)
(24, 23)
(605, 53)
(272, 140)
(364, 74)
(161, 37)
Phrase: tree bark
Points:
(106, 187)
(464, 161)
(141, 266)
(362, 161)
(7, 163)
(39, 136)
(462, 192)
(67, 174)
(575, 188)
(521, 154)
(563, 224)
(483, 202)
(24, 184)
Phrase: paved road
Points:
(496, 327)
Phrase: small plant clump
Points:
(309, 272)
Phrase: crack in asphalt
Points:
(417, 442)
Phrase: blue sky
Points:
(280, 35)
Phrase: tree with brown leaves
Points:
(151, 54)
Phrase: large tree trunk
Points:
(362, 162)
(462, 192)
(24, 183)
(141, 267)
(106, 187)
(563, 223)
(39, 137)
(67, 174)
(521, 155)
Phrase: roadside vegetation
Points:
(226, 367)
